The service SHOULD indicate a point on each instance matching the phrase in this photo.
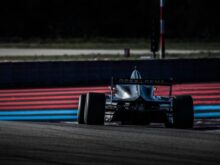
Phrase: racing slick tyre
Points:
(81, 107)
(183, 115)
(94, 109)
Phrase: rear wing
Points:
(160, 82)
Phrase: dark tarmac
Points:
(29, 143)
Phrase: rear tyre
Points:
(94, 109)
(183, 115)
(81, 107)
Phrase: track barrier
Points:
(96, 73)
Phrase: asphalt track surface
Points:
(28, 143)
(57, 52)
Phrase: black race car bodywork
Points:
(132, 101)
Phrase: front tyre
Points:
(183, 115)
(94, 109)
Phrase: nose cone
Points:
(135, 74)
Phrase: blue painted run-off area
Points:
(206, 111)
(32, 115)
(201, 111)
(206, 107)
(39, 112)
(40, 118)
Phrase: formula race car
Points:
(132, 101)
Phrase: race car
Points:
(133, 101)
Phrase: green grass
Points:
(192, 45)
(111, 44)
(81, 44)
(66, 58)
